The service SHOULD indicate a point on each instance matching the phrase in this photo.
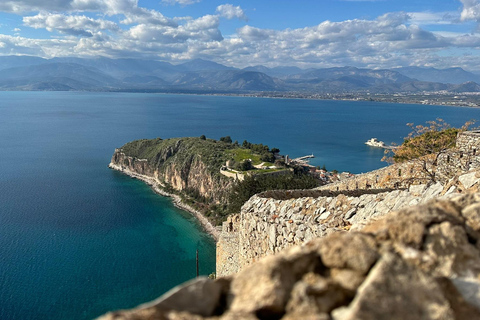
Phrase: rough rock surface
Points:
(421, 262)
(272, 221)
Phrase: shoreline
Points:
(176, 200)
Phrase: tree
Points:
(203, 137)
(425, 144)
(245, 165)
(226, 139)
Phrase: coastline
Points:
(177, 201)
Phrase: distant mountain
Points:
(450, 75)
(64, 76)
(369, 76)
(145, 81)
(105, 74)
(7, 62)
(201, 65)
(279, 72)
(466, 87)
(227, 80)
(121, 68)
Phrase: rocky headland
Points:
(182, 168)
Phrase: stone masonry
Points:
(272, 221)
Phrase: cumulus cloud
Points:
(180, 2)
(202, 29)
(433, 18)
(69, 24)
(229, 11)
(391, 39)
(128, 8)
(471, 10)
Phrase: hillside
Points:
(190, 166)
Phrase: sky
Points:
(240, 33)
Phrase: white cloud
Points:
(229, 11)
(433, 18)
(127, 30)
(69, 24)
(471, 10)
(180, 2)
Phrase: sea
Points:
(78, 239)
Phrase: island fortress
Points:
(387, 244)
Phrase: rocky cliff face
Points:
(190, 165)
(421, 262)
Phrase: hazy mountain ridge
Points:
(104, 74)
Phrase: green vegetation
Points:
(241, 154)
(227, 196)
(182, 151)
(243, 190)
(424, 145)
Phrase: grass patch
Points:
(240, 154)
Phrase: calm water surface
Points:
(78, 239)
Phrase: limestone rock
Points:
(199, 297)
(395, 290)
(469, 179)
(349, 251)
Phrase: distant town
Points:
(468, 99)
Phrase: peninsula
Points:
(206, 177)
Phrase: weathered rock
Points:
(395, 290)
(349, 251)
(199, 297)
(469, 179)
(314, 294)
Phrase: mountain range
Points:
(104, 74)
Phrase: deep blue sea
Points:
(78, 239)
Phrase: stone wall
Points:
(275, 220)
(227, 247)
(469, 141)
(465, 157)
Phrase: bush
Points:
(226, 139)
(243, 190)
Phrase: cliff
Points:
(421, 262)
(190, 166)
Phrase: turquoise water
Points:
(78, 239)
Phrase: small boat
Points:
(374, 142)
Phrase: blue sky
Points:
(304, 33)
